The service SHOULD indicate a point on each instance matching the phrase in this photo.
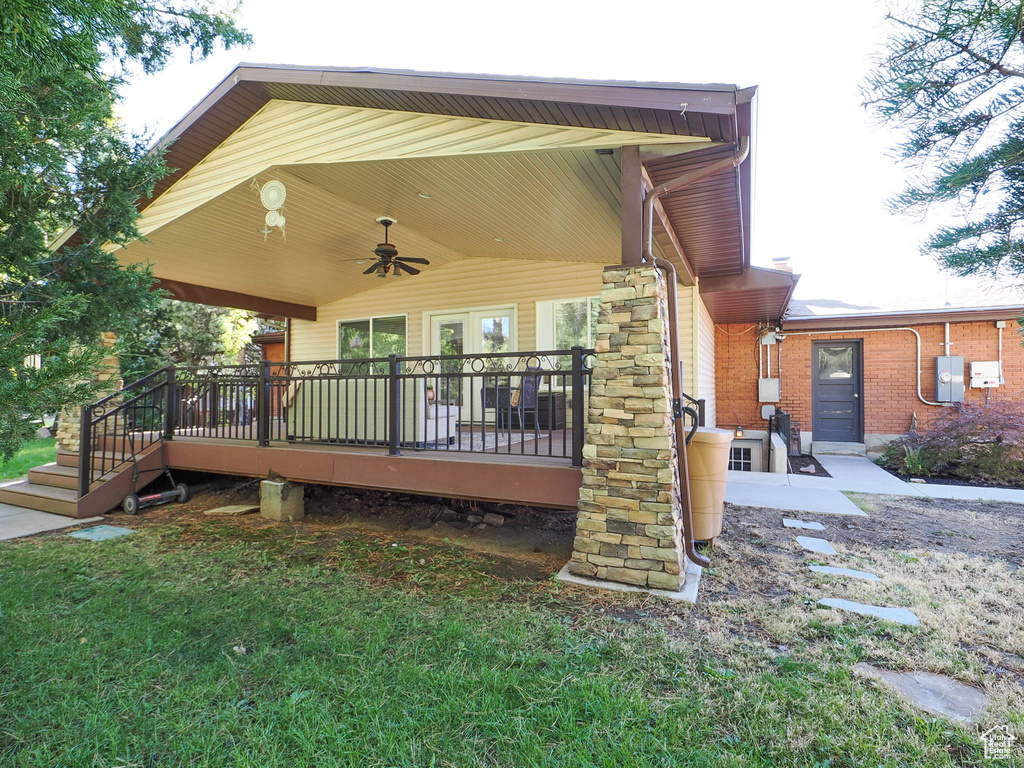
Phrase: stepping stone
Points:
(101, 533)
(935, 694)
(233, 510)
(852, 573)
(808, 525)
(898, 615)
(817, 546)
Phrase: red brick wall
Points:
(890, 372)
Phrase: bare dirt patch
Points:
(532, 543)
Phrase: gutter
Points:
(676, 369)
(901, 317)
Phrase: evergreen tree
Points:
(952, 78)
(65, 161)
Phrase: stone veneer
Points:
(629, 528)
(69, 424)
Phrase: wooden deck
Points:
(511, 478)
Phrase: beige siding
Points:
(706, 362)
(684, 298)
(468, 284)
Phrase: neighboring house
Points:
(853, 376)
(520, 193)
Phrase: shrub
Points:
(968, 441)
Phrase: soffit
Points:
(553, 205)
(757, 296)
(291, 133)
(707, 216)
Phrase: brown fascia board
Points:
(714, 98)
(908, 317)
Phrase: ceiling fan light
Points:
(382, 270)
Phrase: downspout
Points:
(676, 370)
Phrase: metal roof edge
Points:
(921, 316)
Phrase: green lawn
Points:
(32, 454)
(373, 651)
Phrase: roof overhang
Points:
(676, 125)
(908, 317)
(757, 296)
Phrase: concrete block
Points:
(281, 501)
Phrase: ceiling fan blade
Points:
(407, 268)
(371, 270)
(411, 259)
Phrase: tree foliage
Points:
(64, 161)
(180, 333)
(952, 78)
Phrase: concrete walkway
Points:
(16, 522)
(856, 474)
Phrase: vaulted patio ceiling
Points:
(510, 165)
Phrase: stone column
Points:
(69, 423)
(629, 528)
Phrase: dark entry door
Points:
(837, 389)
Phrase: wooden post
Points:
(632, 206)
(579, 427)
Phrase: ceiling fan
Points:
(388, 258)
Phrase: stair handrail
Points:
(89, 421)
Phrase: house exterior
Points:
(853, 377)
(570, 248)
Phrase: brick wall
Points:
(890, 372)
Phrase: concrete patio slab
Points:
(897, 615)
(807, 525)
(935, 694)
(790, 499)
(817, 546)
(851, 572)
(16, 522)
(971, 493)
(855, 473)
(688, 594)
(757, 478)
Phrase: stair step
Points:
(44, 498)
(55, 476)
(107, 461)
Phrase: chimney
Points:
(782, 264)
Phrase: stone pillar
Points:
(629, 528)
(69, 423)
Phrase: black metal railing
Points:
(117, 428)
(513, 403)
(526, 403)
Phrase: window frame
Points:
(545, 319)
(337, 332)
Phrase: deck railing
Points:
(119, 427)
(513, 403)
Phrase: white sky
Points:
(824, 170)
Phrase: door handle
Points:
(855, 394)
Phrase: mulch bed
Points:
(799, 462)
(950, 480)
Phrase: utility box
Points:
(769, 391)
(985, 374)
(949, 379)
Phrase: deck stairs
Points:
(53, 487)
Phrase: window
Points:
(375, 337)
(741, 459)
(567, 323)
